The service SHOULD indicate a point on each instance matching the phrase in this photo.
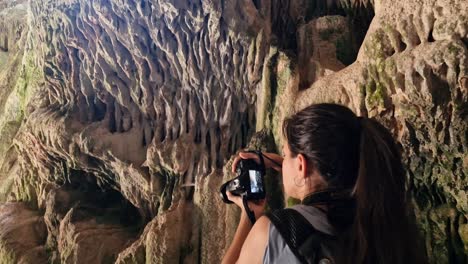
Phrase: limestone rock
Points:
(22, 234)
(90, 239)
(13, 85)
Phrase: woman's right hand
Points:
(256, 206)
(266, 159)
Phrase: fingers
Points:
(244, 155)
(257, 206)
(268, 163)
(249, 155)
(234, 164)
(234, 198)
(229, 196)
(270, 157)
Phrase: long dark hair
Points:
(360, 155)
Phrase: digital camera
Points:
(249, 181)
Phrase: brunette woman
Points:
(347, 173)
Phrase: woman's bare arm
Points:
(256, 242)
(249, 244)
(242, 231)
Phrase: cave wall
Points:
(119, 119)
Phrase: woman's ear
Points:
(302, 167)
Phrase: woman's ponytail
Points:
(358, 154)
(381, 219)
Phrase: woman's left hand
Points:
(257, 206)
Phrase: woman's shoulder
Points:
(261, 226)
(294, 227)
(260, 229)
(278, 250)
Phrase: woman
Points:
(328, 148)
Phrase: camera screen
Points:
(255, 181)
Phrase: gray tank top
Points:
(277, 251)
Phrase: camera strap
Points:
(249, 212)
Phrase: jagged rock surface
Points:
(13, 83)
(117, 117)
(23, 233)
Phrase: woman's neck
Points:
(314, 184)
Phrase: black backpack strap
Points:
(302, 238)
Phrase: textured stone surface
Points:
(117, 117)
(158, 243)
(22, 234)
(79, 216)
(14, 80)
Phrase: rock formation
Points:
(118, 119)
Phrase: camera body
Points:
(249, 181)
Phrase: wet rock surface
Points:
(117, 117)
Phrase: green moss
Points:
(30, 76)
(293, 201)
(265, 98)
(378, 48)
(453, 49)
(375, 94)
(381, 70)
(380, 76)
